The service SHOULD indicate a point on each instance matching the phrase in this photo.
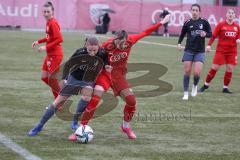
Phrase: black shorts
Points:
(74, 86)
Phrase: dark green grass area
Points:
(205, 127)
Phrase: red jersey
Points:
(53, 38)
(117, 57)
(227, 35)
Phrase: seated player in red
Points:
(228, 33)
(118, 49)
(53, 47)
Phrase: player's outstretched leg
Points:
(50, 110)
(129, 111)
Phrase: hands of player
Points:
(208, 49)
(203, 34)
(34, 44)
(238, 41)
(42, 48)
(108, 68)
(179, 47)
(166, 19)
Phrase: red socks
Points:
(53, 83)
(129, 108)
(45, 80)
(211, 74)
(227, 78)
(90, 109)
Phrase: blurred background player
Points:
(197, 29)
(80, 72)
(118, 49)
(228, 33)
(105, 22)
(53, 48)
(165, 26)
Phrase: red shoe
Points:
(72, 137)
(129, 132)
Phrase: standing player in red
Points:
(228, 33)
(118, 49)
(53, 48)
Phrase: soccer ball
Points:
(84, 134)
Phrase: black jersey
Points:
(84, 67)
(195, 43)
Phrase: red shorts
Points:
(117, 85)
(52, 64)
(220, 59)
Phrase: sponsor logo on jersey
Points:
(118, 57)
(230, 34)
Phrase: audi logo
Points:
(177, 17)
(230, 34)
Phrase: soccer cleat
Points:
(72, 137)
(226, 90)
(203, 88)
(194, 91)
(185, 96)
(74, 125)
(129, 132)
(35, 130)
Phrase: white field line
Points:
(6, 141)
(151, 43)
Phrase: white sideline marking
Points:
(154, 43)
(147, 42)
(17, 148)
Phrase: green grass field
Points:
(207, 127)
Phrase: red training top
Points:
(118, 57)
(227, 35)
(53, 38)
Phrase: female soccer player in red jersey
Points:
(228, 33)
(118, 49)
(53, 48)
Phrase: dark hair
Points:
(49, 4)
(196, 5)
(122, 34)
(93, 41)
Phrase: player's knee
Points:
(98, 90)
(131, 100)
(187, 71)
(44, 79)
(229, 68)
(86, 98)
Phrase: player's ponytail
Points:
(49, 4)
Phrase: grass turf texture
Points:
(206, 127)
